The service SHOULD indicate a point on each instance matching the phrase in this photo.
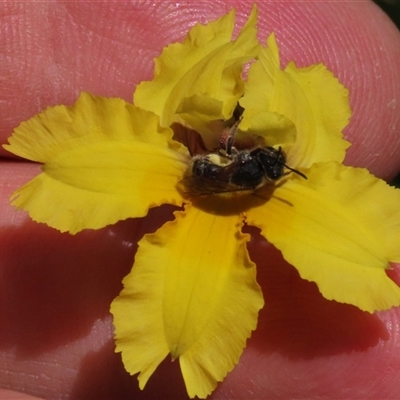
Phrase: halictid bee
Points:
(232, 170)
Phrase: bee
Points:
(232, 170)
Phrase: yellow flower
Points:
(192, 292)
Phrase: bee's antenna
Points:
(290, 169)
(231, 138)
(296, 172)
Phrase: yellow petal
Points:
(340, 229)
(311, 98)
(105, 160)
(207, 64)
(192, 293)
(274, 128)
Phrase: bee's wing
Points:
(194, 186)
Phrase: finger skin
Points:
(56, 336)
(11, 395)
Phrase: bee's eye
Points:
(275, 172)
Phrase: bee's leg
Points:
(231, 138)
(238, 112)
(227, 137)
(234, 151)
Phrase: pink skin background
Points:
(55, 289)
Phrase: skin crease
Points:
(56, 335)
